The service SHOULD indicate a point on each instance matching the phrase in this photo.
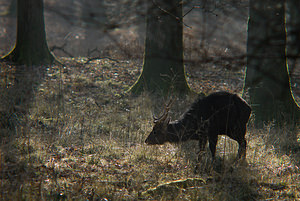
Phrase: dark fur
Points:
(220, 113)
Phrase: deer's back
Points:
(223, 111)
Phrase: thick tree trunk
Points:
(31, 47)
(163, 69)
(293, 28)
(267, 76)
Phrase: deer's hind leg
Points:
(239, 136)
(242, 149)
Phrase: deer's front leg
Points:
(202, 145)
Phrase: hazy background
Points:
(215, 32)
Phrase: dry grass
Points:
(82, 139)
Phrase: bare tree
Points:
(163, 68)
(293, 27)
(267, 76)
(31, 45)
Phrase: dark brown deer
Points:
(220, 113)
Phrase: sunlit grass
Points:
(85, 140)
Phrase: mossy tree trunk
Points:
(293, 28)
(163, 69)
(31, 46)
(267, 75)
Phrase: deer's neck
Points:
(180, 131)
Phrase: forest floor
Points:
(83, 139)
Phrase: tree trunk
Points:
(293, 28)
(267, 76)
(163, 69)
(31, 47)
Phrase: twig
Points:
(201, 7)
(61, 48)
(179, 19)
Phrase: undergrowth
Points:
(83, 139)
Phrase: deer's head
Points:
(159, 133)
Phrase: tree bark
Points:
(293, 31)
(267, 75)
(31, 47)
(163, 69)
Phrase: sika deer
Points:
(220, 113)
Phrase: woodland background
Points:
(83, 137)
